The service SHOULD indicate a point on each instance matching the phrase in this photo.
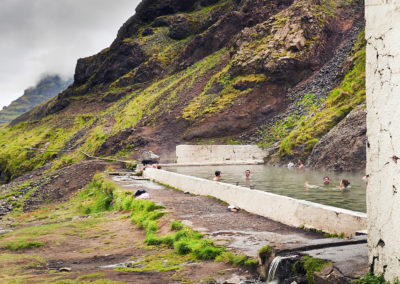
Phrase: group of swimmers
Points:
(218, 175)
(344, 183)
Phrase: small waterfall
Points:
(274, 267)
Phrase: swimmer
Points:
(300, 165)
(217, 176)
(247, 174)
(326, 180)
(308, 186)
(344, 183)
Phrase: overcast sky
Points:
(48, 36)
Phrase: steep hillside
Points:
(203, 71)
(48, 87)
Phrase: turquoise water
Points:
(290, 182)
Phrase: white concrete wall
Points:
(383, 133)
(289, 211)
(219, 154)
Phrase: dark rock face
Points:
(181, 28)
(344, 147)
(111, 64)
(148, 10)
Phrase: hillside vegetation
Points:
(203, 71)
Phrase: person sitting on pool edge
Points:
(344, 183)
(217, 176)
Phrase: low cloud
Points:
(48, 36)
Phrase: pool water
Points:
(290, 182)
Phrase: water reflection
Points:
(290, 182)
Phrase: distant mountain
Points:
(48, 87)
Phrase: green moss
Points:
(370, 278)
(265, 250)
(210, 102)
(312, 265)
(176, 225)
(229, 141)
(236, 260)
(161, 96)
(22, 244)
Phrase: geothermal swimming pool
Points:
(290, 182)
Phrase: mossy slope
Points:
(184, 73)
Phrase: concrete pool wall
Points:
(220, 154)
(283, 209)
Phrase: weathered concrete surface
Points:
(351, 260)
(219, 154)
(289, 211)
(383, 147)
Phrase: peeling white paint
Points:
(383, 124)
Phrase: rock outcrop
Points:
(344, 147)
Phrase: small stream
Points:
(290, 182)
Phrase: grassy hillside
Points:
(209, 72)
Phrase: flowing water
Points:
(273, 267)
(290, 182)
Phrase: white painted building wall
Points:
(383, 124)
(287, 210)
(219, 154)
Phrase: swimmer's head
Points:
(326, 180)
(217, 173)
(344, 183)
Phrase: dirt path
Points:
(242, 232)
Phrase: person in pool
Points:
(326, 181)
(217, 176)
(344, 183)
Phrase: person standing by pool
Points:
(217, 176)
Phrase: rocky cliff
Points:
(280, 73)
(48, 87)
(344, 147)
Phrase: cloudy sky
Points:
(48, 36)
